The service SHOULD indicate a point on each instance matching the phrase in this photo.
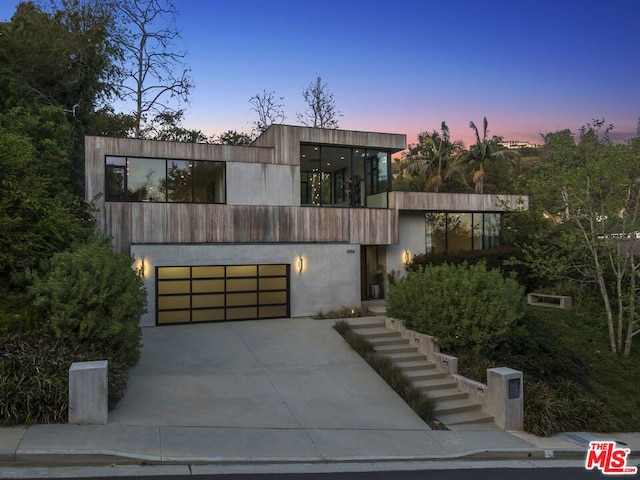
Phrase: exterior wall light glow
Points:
(407, 257)
(300, 265)
(142, 267)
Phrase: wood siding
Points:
(129, 222)
(456, 202)
(286, 139)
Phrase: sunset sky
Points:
(530, 67)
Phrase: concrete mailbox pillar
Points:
(88, 393)
(504, 398)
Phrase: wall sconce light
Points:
(407, 257)
(142, 267)
(300, 265)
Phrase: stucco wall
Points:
(411, 226)
(330, 278)
(262, 184)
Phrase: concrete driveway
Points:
(284, 374)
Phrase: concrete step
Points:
(451, 393)
(406, 357)
(375, 332)
(387, 349)
(463, 418)
(435, 384)
(427, 374)
(446, 407)
(366, 322)
(411, 365)
(389, 340)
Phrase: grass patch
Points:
(421, 404)
(344, 312)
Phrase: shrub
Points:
(344, 312)
(466, 307)
(34, 378)
(564, 406)
(506, 258)
(92, 298)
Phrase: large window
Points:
(134, 179)
(343, 176)
(448, 232)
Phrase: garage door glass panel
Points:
(236, 299)
(242, 271)
(206, 286)
(265, 270)
(177, 286)
(272, 297)
(208, 272)
(273, 284)
(181, 316)
(241, 285)
(273, 311)
(245, 313)
(203, 301)
(174, 302)
(173, 272)
(209, 315)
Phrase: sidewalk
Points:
(266, 392)
(122, 444)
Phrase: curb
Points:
(94, 458)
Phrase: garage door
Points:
(211, 293)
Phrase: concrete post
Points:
(88, 393)
(504, 398)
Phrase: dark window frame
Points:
(365, 182)
(125, 197)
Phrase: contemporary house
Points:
(291, 225)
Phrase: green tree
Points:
(431, 161)
(592, 190)
(232, 137)
(38, 214)
(168, 126)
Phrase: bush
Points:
(92, 298)
(506, 258)
(466, 307)
(34, 378)
(344, 312)
(565, 406)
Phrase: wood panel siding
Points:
(456, 202)
(286, 139)
(373, 226)
(186, 223)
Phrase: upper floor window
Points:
(137, 179)
(344, 176)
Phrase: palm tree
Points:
(430, 161)
(480, 152)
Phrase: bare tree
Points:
(155, 74)
(269, 110)
(321, 107)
